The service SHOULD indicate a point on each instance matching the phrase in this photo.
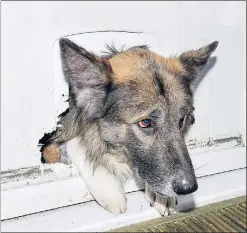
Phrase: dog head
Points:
(143, 106)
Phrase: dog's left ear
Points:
(194, 61)
(87, 76)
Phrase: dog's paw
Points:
(164, 205)
(107, 191)
(106, 188)
(161, 205)
(113, 201)
(116, 205)
(149, 196)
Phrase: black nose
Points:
(183, 187)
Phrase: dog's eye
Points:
(145, 123)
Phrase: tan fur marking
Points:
(51, 153)
(125, 66)
(172, 64)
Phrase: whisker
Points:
(200, 166)
(199, 175)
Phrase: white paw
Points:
(107, 191)
(115, 203)
(164, 205)
(106, 188)
(161, 205)
(149, 196)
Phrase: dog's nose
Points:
(182, 187)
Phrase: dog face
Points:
(143, 106)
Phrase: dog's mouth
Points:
(169, 196)
(166, 192)
(162, 194)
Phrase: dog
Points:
(128, 114)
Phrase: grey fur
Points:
(100, 112)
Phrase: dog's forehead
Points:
(138, 62)
(150, 72)
(129, 65)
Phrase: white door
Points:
(33, 93)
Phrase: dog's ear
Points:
(87, 76)
(194, 61)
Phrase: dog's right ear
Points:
(87, 76)
(194, 61)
